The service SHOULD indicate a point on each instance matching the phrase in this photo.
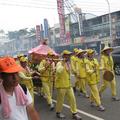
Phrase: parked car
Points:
(116, 58)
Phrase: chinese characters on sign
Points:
(60, 6)
(38, 37)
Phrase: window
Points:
(105, 18)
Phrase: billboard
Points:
(79, 40)
(42, 32)
(67, 30)
(60, 8)
(38, 37)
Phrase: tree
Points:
(23, 31)
(32, 30)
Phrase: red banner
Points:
(38, 37)
(60, 6)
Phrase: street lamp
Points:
(110, 22)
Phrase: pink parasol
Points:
(42, 50)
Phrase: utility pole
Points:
(110, 23)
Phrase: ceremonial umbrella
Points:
(42, 50)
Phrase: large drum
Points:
(108, 75)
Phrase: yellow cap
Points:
(90, 51)
(66, 52)
(50, 53)
(76, 50)
(20, 55)
(80, 51)
(23, 59)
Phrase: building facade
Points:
(96, 31)
(21, 45)
(54, 35)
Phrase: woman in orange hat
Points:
(15, 103)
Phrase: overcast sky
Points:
(18, 14)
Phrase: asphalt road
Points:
(87, 112)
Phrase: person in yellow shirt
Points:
(50, 59)
(73, 62)
(81, 72)
(18, 58)
(108, 64)
(26, 76)
(64, 87)
(93, 77)
(44, 69)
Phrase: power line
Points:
(8, 4)
(33, 3)
(49, 3)
(80, 1)
(38, 6)
(101, 3)
(98, 2)
(53, 4)
(34, 6)
(44, 1)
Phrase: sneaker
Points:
(60, 115)
(52, 106)
(76, 117)
(115, 99)
(92, 104)
(86, 96)
(101, 108)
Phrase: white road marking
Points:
(84, 113)
(80, 111)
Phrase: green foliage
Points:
(21, 32)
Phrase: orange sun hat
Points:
(9, 65)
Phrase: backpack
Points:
(23, 87)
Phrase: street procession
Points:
(45, 71)
(60, 60)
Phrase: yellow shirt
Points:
(93, 72)
(26, 79)
(45, 70)
(81, 68)
(62, 75)
(107, 62)
(73, 62)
